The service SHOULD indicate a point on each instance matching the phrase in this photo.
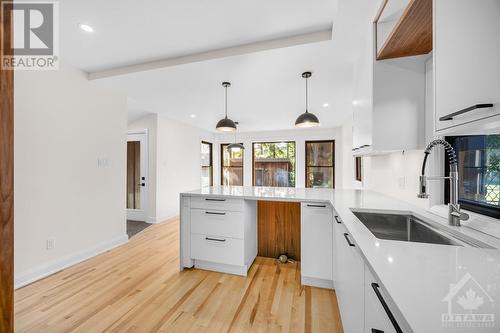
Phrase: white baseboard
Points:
(315, 282)
(154, 220)
(39, 272)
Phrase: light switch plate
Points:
(51, 243)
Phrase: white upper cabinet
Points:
(466, 64)
(388, 103)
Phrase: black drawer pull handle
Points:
(215, 239)
(376, 287)
(374, 330)
(215, 213)
(346, 235)
(339, 221)
(470, 108)
(214, 199)
(317, 206)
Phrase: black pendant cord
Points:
(226, 99)
(307, 97)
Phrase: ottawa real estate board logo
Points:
(469, 305)
(33, 42)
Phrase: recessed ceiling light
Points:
(325, 105)
(86, 27)
(192, 116)
(355, 102)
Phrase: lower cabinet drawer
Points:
(223, 250)
(220, 223)
(219, 203)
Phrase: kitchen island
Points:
(380, 284)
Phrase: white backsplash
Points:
(395, 174)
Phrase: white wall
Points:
(395, 174)
(149, 122)
(63, 125)
(179, 163)
(297, 135)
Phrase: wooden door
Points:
(6, 187)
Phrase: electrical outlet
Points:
(51, 243)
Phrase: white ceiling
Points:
(267, 90)
(131, 31)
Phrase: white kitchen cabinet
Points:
(466, 64)
(350, 278)
(316, 239)
(388, 103)
(221, 234)
(378, 318)
(375, 316)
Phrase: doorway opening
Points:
(137, 175)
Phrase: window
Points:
(207, 176)
(232, 166)
(358, 168)
(274, 164)
(479, 173)
(320, 171)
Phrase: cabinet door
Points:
(349, 285)
(375, 316)
(467, 66)
(316, 241)
(362, 103)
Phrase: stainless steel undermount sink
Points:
(409, 228)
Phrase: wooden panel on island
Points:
(278, 229)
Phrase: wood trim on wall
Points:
(6, 185)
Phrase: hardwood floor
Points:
(138, 288)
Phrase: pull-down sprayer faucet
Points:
(454, 214)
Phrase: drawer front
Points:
(216, 222)
(218, 203)
(223, 250)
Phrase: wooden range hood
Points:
(412, 33)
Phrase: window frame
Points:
(358, 165)
(222, 145)
(211, 166)
(469, 205)
(332, 141)
(273, 142)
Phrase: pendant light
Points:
(226, 124)
(307, 119)
(235, 145)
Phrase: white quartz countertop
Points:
(419, 277)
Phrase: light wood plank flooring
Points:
(138, 288)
